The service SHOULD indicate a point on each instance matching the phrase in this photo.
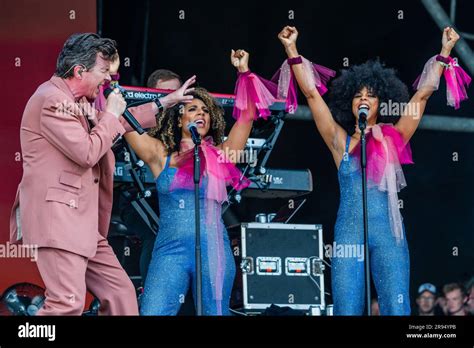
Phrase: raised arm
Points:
(240, 131)
(334, 135)
(149, 149)
(411, 117)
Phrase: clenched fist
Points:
(450, 37)
(288, 36)
(240, 59)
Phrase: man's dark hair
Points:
(162, 74)
(82, 49)
(454, 286)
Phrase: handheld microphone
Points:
(127, 115)
(363, 114)
(192, 127)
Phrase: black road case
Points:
(282, 264)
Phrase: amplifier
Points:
(282, 264)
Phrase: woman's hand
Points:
(450, 37)
(180, 95)
(240, 59)
(288, 37)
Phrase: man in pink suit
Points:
(64, 201)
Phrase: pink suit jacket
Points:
(65, 195)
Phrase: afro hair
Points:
(381, 81)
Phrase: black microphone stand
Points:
(197, 177)
(363, 164)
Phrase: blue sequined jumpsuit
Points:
(172, 267)
(389, 261)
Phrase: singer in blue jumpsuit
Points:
(389, 260)
(172, 268)
(373, 87)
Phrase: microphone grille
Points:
(191, 125)
(363, 110)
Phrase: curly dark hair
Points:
(168, 131)
(378, 79)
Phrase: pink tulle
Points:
(251, 93)
(386, 152)
(252, 89)
(397, 151)
(218, 170)
(219, 173)
(316, 75)
(429, 77)
(456, 80)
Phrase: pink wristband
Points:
(296, 60)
